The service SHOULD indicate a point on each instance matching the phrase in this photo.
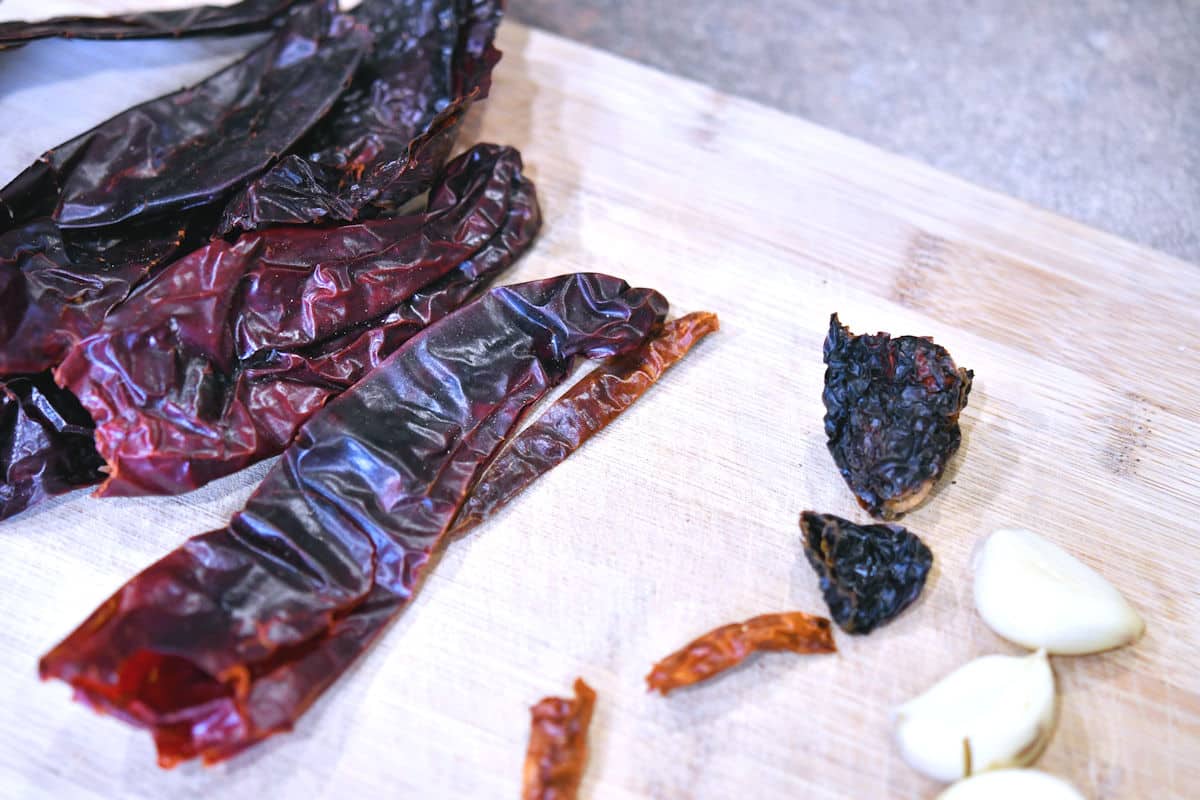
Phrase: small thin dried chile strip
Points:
(558, 750)
(231, 637)
(581, 412)
(193, 147)
(389, 133)
(46, 443)
(730, 645)
(244, 17)
(217, 361)
(868, 573)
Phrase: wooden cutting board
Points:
(1082, 425)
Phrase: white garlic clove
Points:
(1034, 593)
(993, 712)
(1007, 784)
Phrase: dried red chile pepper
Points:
(558, 751)
(153, 169)
(193, 147)
(216, 362)
(730, 645)
(45, 442)
(385, 140)
(231, 637)
(57, 286)
(868, 573)
(581, 412)
(891, 415)
(243, 17)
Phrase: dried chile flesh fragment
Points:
(389, 133)
(584, 410)
(193, 147)
(868, 573)
(243, 17)
(214, 363)
(228, 639)
(891, 415)
(45, 442)
(730, 645)
(56, 286)
(557, 753)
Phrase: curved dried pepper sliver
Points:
(891, 415)
(231, 637)
(385, 140)
(193, 147)
(868, 573)
(45, 442)
(558, 750)
(215, 362)
(585, 409)
(243, 17)
(730, 645)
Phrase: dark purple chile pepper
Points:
(45, 442)
(230, 638)
(243, 17)
(389, 133)
(214, 363)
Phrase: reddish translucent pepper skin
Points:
(243, 17)
(45, 442)
(217, 361)
(730, 645)
(228, 639)
(387, 137)
(581, 412)
(558, 750)
(192, 148)
(93, 217)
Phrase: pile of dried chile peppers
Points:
(231, 637)
(107, 225)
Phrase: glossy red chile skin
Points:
(231, 637)
(217, 361)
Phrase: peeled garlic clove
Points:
(1034, 593)
(993, 712)
(1007, 784)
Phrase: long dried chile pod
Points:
(56, 287)
(193, 147)
(243, 17)
(217, 361)
(228, 639)
(584, 410)
(389, 134)
(45, 443)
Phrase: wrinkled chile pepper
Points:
(45, 442)
(558, 751)
(730, 645)
(231, 637)
(868, 573)
(57, 286)
(216, 362)
(891, 415)
(152, 169)
(389, 133)
(191, 148)
(581, 412)
(243, 17)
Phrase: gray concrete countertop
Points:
(1090, 108)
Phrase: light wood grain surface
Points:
(1082, 425)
